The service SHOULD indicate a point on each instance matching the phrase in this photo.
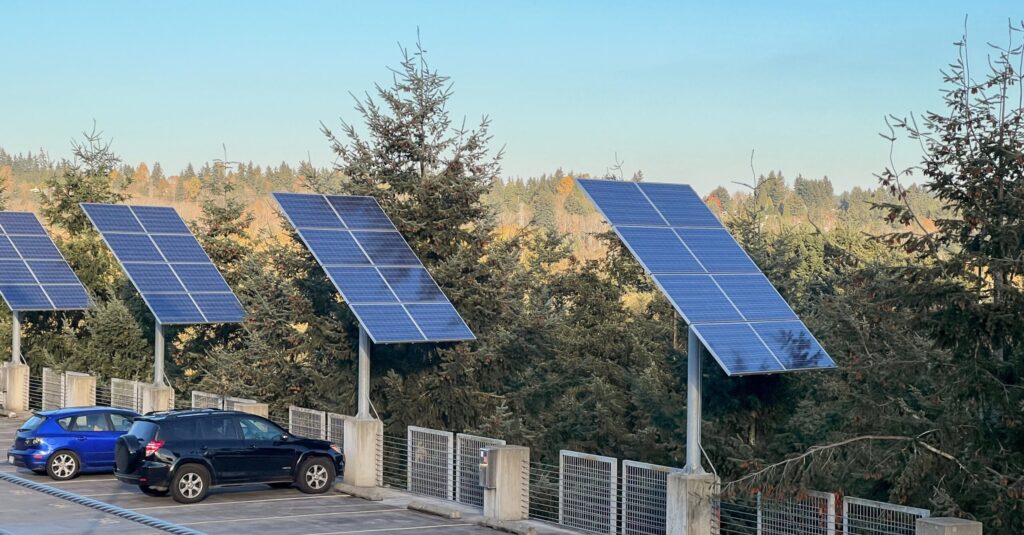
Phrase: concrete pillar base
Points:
(157, 398)
(505, 501)
(80, 390)
(947, 526)
(690, 503)
(361, 435)
(259, 409)
(17, 388)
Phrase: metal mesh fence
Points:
(231, 403)
(307, 423)
(35, 393)
(644, 492)
(336, 429)
(431, 462)
(811, 513)
(867, 517)
(126, 394)
(394, 461)
(206, 400)
(53, 389)
(543, 481)
(588, 492)
(467, 467)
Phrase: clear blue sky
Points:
(682, 91)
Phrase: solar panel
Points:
(709, 279)
(372, 266)
(166, 264)
(33, 274)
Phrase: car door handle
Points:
(80, 437)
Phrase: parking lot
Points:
(246, 509)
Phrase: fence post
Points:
(81, 390)
(947, 526)
(17, 388)
(505, 501)
(689, 503)
(361, 451)
(156, 398)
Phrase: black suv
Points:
(186, 452)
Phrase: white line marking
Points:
(80, 481)
(286, 517)
(434, 526)
(241, 501)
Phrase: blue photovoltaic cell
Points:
(373, 268)
(717, 251)
(360, 213)
(737, 348)
(755, 297)
(334, 247)
(30, 263)
(439, 321)
(659, 250)
(361, 284)
(711, 281)
(308, 211)
(622, 203)
(67, 296)
(698, 298)
(112, 218)
(391, 323)
(166, 264)
(21, 223)
(201, 278)
(413, 285)
(160, 219)
(793, 345)
(680, 205)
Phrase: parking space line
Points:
(242, 501)
(81, 481)
(287, 517)
(377, 530)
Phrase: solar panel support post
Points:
(16, 337)
(363, 409)
(693, 400)
(158, 355)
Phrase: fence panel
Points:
(231, 403)
(206, 400)
(644, 492)
(867, 517)
(53, 389)
(307, 423)
(394, 461)
(467, 467)
(431, 462)
(126, 394)
(812, 513)
(336, 429)
(588, 491)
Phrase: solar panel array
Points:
(384, 283)
(33, 273)
(710, 280)
(164, 261)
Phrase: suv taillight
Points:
(153, 446)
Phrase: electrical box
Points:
(487, 479)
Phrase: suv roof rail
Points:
(176, 411)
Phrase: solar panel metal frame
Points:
(354, 234)
(655, 276)
(148, 295)
(27, 263)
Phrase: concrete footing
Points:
(690, 503)
(947, 526)
(80, 390)
(511, 490)
(361, 451)
(157, 398)
(17, 388)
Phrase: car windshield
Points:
(33, 423)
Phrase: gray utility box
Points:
(487, 476)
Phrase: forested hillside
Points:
(915, 291)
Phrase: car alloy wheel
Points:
(190, 485)
(316, 477)
(63, 465)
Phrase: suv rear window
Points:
(143, 429)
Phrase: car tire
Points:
(282, 485)
(190, 484)
(316, 475)
(154, 491)
(63, 465)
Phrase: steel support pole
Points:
(16, 337)
(363, 385)
(693, 408)
(158, 356)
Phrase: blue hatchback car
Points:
(66, 442)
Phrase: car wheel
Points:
(154, 491)
(281, 485)
(316, 475)
(63, 465)
(190, 484)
